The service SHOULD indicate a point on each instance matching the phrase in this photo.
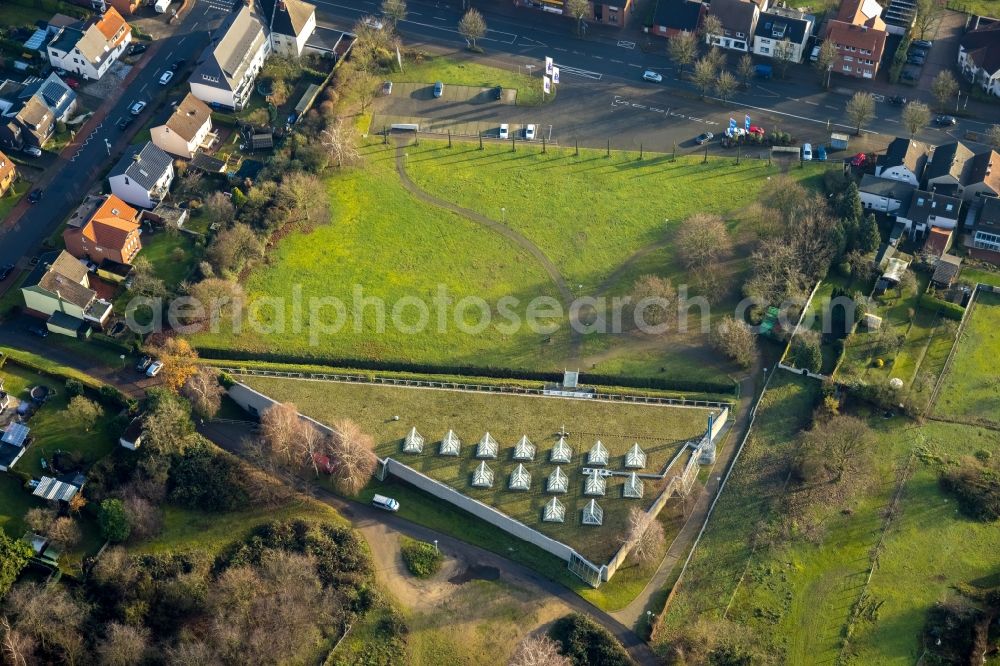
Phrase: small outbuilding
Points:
(633, 487)
(554, 511)
(58, 490)
(451, 445)
(595, 484)
(557, 482)
(635, 458)
(561, 452)
(487, 447)
(520, 479)
(131, 439)
(413, 442)
(482, 477)
(598, 454)
(593, 514)
(524, 449)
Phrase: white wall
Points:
(900, 173)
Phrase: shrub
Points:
(202, 479)
(113, 520)
(421, 558)
(74, 387)
(977, 489)
(587, 643)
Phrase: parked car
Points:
(72, 83)
(143, 364)
(897, 100)
(915, 59)
(34, 151)
(438, 89)
(137, 48)
(909, 75)
(763, 71)
(650, 75)
(39, 330)
(165, 77)
(945, 121)
(504, 131)
(704, 138)
(387, 503)
(373, 22)
(154, 368)
(529, 133)
(178, 64)
(124, 122)
(923, 43)
(814, 56)
(387, 88)
(137, 108)
(35, 196)
(60, 72)
(6, 271)
(821, 153)
(498, 92)
(807, 152)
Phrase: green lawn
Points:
(991, 277)
(971, 391)
(12, 196)
(467, 72)
(159, 249)
(20, 16)
(13, 298)
(661, 431)
(980, 7)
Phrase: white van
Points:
(807, 152)
(387, 503)
(161, 6)
(814, 56)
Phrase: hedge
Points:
(726, 388)
(943, 308)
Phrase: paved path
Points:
(365, 518)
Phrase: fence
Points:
(472, 387)
(795, 331)
(958, 337)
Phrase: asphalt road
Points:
(66, 183)
(603, 97)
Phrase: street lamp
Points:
(122, 357)
(436, 546)
(503, 215)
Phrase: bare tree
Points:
(645, 534)
(354, 457)
(734, 338)
(928, 16)
(144, 280)
(203, 391)
(144, 517)
(860, 109)
(682, 49)
(945, 87)
(62, 530)
(745, 68)
(17, 647)
(916, 115)
(538, 651)
(472, 27)
(364, 87)
(233, 248)
(701, 241)
(579, 10)
(167, 428)
(784, 52)
(309, 197)
(655, 300)
(394, 10)
(83, 412)
(704, 75)
(50, 616)
(842, 445)
(372, 46)
(725, 85)
(280, 429)
(123, 644)
(219, 209)
(824, 61)
(340, 141)
(214, 296)
(710, 26)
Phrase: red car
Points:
(859, 160)
(72, 83)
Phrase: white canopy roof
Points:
(520, 478)
(414, 442)
(561, 452)
(633, 486)
(635, 458)
(558, 481)
(483, 476)
(53, 489)
(524, 449)
(593, 514)
(487, 447)
(554, 511)
(598, 455)
(595, 484)
(451, 445)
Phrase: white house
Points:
(290, 23)
(89, 49)
(142, 176)
(230, 64)
(979, 57)
(904, 160)
(928, 209)
(738, 19)
(783, 33)
(186, 130)
(884, 195)
(131, 439)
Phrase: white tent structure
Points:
(524, 449)
(487, 447)
(414, 442)
(635, 458)
(633, 486)
(598, 455)
(561, 452)
(520, 479)
(554, 511)
(483, 476)
(593, 514)
(558, 482)
(451, 445)
(595, 484)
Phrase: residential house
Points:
(983, 180)
(291, 23)
(92, 47)
(900, 16)
(904, 160)
(738, 19)
(230, 64)
(949, 168)
(142, 176)
(674, 17)
(126, 7)
(986, 238)
(110, 232)
(188, 129)
(979, 57)
(31, 126)
(8, 173)
(946, 269)
(938, 241)
(52, 91)
(59, 288)
(884, 195)
(929, 209)
(859, 34)
(783, 34)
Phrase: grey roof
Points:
(989, 215)
(946, 269)
(66, 40)
(949, 159)
(735, 15)
(226, 60)
(906, 152)
(15, 434)
(925, 204)
(678, 14)
(61, 273)
(782, 28)
(53, 91)
(886, 187)
(286, 17)
(144, 164)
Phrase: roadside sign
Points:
(548, 65)
(746, 123)
(555, 75)
(546, 85)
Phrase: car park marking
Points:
(878, 98)
(618, 100)
(812, 103)
(632, 64)
(626, 44)
(587, 74)
(620, 62)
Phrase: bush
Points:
(202, 479)
(943, 308)
(977, 489)
(74, 387)
(587, 643)
(113, 520)
(421, 558)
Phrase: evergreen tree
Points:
(869, 237)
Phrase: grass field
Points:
(464, 72)
(971, 391)
(12, 196)
(159, 249)
(661, 432)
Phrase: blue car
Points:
(821, 153)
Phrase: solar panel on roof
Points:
(15, 434)
(35, 41)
